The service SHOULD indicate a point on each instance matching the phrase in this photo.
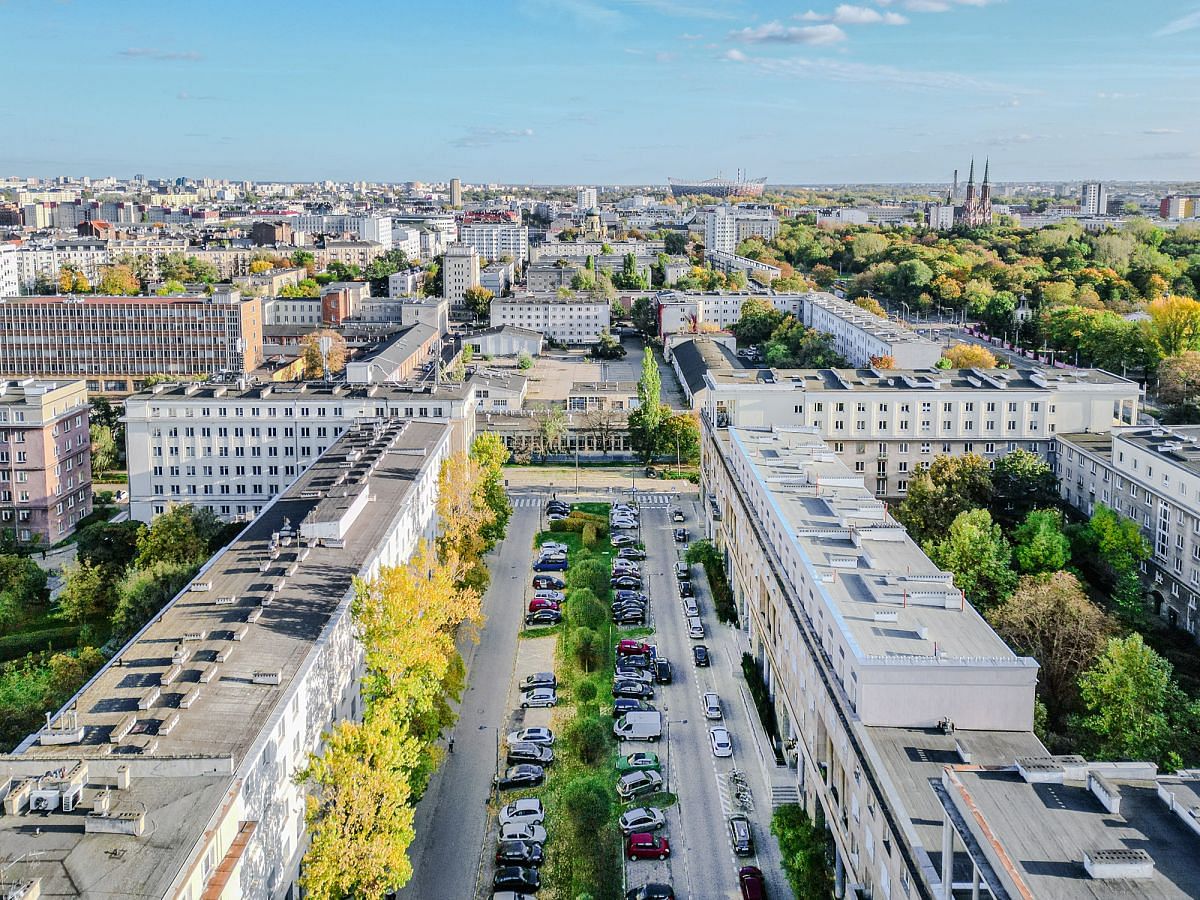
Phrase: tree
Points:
(1132, 704)
(604, 424)
(314, 361)
(171, 287)
(179, 535)
(883, 363)
(84, 593)
(969, 356)
(1023, 481)
(1175, 324)
(1117, 548)
(1050, 618)
(802, 851)
(104, 448)
(524, 361)
(1179, 379)
(608, 347)
(110, 545)
(104, 413)
(680, 435)
(871, 305)
(629, 278)
(644, 313)
(1041, 545)
(22, 583)
(479, 301)
(381, 267)
(758, 320)
(143, 591)
(975, 550)
(552, 426)
(793, 346)
(588, 737)
(464, 514)
(258, 266)
(490, 454)
(587, 647)
(675, 243)
(118, 281)
(72, 281)
(939, 492)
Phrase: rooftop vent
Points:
(1118, 865)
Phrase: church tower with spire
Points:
(976, 210)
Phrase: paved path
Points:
(452, 818)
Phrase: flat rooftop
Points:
(864, 561)
(1031, 378)
(199, 392)
(852, 313)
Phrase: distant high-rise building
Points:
(727, 226)
(460, 270)
(1094, 199)
(455, 192)
(585, 198)
(1179, 206)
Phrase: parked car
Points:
(556, 516)
(741, 836)
(630, 617)
(651, 472)
(681, 535)
(700, 655)
(685, 589)
(624, 507)
(638, 761)
(523, 831)
(626, 565)
(551, 564)
(557, 506)
(643, 845)
(548, 594)
(720, 741)
(712, 705)
(631, 603)
(548, 582)
(623, 540)
(628, 608)
(539, 679)
(541, 603)
(543, 617)
(635, 784)
(539, 697)
(629, 647)
(677, 515)
(622, 705)
(528, 753)
(629, 673)
(524, 775)
(663, 673)
(543, 737)
(528, 810)
(626, 582)
(682, 570)
(630, 595)
(519, 853)
(631, 553)
(653, 891)
(752, 883)
(634, 690)
(554, 547)
(635, 660)
(642, 818)
(517, 878)
(623, 525)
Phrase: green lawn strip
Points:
(538, 632)
(596, 509)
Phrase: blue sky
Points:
(629, 91)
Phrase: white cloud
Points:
(812, 16)
(846, 14)
(1162, 131)
(735, 55)
(158, 53)
(937, 6)
(777, 33)
(486, 137)
(1180, 25)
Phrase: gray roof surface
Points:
(699, 356)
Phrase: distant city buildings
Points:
(585, 198)
(725, 227)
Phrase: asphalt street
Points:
(451, 819)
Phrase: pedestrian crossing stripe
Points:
(527, 502)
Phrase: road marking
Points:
(724, 794)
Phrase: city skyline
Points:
(882, 91)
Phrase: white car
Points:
(542, 696)
(528, 811)
(722, 743)
(554, 547)
(543, 737)
(547, 594)
(712, 705)
(523, 831)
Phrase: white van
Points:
(690, 609)
(639, 726)
(695, 628)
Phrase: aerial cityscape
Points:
(757, 455)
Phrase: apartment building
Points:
(43, 260)
(883, 424)
(10, 281)
(181, 781)
(460, 271)
(566, 320)
(494, 241)
(1151, 476)
(861, 336)
(729, 263)
(727, 226)
(581, 250)
(377, 229)
(232, 448)
(116, 343)
(291, 311)
(497, 277)
(45, 459)
(903, 718)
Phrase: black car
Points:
(543, 617)
(622, 705)
(633, 690)
(630, 617)
(629, 595)
(559, 505)
(681, 535)
(524, 775)
(548, 583)
(741, 837)
(652, 891)
(519, 853)
(524, 880)
(700, 655)
(634, 661)
(624, 605)
(626, 582)
(529, 753)
(685, 589)
(539, 679)
(631, 553)
(662, 671)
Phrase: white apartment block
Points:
(1151, 476)
(291, 311)
(1093, 200)
(879, 670)
(149, 784)
(494, 241)
(884, 424)
(726, 226)
(232, 449)
(460, 271)
(408, 239)
(939, 216)
(585, 198)
(565, 320)
(551, 251)
(10, 280)
(367, 228)
(859, 335)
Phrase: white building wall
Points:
(10, 282)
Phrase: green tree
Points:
(143, 591)
(552, 426)
(110, 545)
(104, 448)
(524, 361)
(802, 851)
(1132, 704)
(608, 347)
(104, 413)
(588, 736)
(118, 281)
(675, 243)
(479, 301)
(179, 535)
(490, 453)
(975, 550)
(1040, 544)
(680, 436)
(794, 346)
(644, 313)
(85, 592)
(378, 270)
(588, 649)
(939, 492)
(1023, 481)
(758, 320)
(22, 583)
(644, 422)
(1117, 548)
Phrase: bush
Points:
(14, 646)
(591, 574)
(762, 700)
(589, 535)
(706, 554)
(802, 848)
(587, 612)
(585, 691)
(524, 361)
(588, 737)
(577, 521)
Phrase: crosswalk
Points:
(530, 502)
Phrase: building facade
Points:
(45, 459)
(460, 272)
(861, 336)
(116, 343)
(10, 281)
(727, 226)
(495, 241)
(1093, 199)
(565, 320)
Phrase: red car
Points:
(644, 845)
(631, 648)
(542, 603)
(750, 880)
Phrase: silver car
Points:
(542, 696)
